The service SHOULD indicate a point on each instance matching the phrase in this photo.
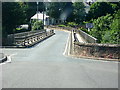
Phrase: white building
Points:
(47, 20)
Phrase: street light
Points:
(60, 13)
(43, 14)
(37, 13)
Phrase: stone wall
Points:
(86, 36)
(94, 50)
(97, 50)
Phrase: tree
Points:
(13, 14)
(59, 10)
(99, 9)
(106, 28)
(105, 17)
(54, 10)
(101, 25)
(16, 13)
(115, 29)
(79, 12)
(32, 9)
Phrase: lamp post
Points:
(60, 13)
(43, 14)
(37, 13)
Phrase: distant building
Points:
(89, 2)
(47, 19)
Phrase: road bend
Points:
(45, 66)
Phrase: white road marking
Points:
(65, 51)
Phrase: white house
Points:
(47, 20)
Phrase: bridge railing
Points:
(93, 50)
(28, 34)
(28, 38)
(88, 38)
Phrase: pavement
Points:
(45, 66)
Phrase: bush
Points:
(106, 29)
(37, 25)
(72, 24)
(101, 25)
(83, 29)
(61, 26)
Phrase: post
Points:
(37, 13)
(88, 29)
(43, 14)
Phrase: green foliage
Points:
(70, 12)
(79, 12)
(37, 25)
(99, 9)
(115, 28)
(72, 24)
(18, 29)
(13, 14)
(106, 28)
(58, 10)
(17, 13)
(61, 25)
(100, 26)
(83, 29)
(31, 9)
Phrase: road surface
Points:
(45, 66)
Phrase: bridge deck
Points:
(45, 66)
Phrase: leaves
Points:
(13, 15)
(106, 28)
(99, 9)
(79, 12)
(38, 25)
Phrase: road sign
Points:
(89, 25)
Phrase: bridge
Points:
(46, 65)
(84, 45)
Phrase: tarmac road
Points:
(45, 66)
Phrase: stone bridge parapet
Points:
(92, 49)
(28, 39)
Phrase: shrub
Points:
(37, 25)
(61, 26)
(72, 24)
(83, 29)
(106, 28)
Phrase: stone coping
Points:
(97, 44)
(95, 58)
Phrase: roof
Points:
(40, 16)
